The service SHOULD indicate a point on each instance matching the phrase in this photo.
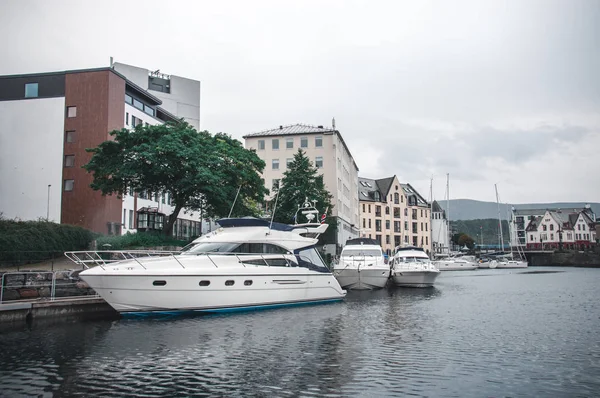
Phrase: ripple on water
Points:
(505, 334)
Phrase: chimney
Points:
(280, 127)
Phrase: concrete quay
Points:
(16, 314)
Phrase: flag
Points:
(324, 216)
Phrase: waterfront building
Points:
(520, 219)
(440, 232)
(556, 228)
(326, 149)
(393, 213)
(47, 120)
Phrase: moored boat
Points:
(362, 265)
(247, 263)
(411, 267)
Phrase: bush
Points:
(139, 240)
(30, 241)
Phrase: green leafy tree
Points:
(466, 240)
(301, 181)
(199, 171)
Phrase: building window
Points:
(31, 90)
(275, 143)
(387, 239)
(163, 198)
(261, 144)
(318, 142)
(405, 212)
(69, 185)
(397, 212)
(370, 225)
(387, 224)
(387, 210)
(130, 219)
(363, 207)
(427, 240)
(289, 143)
(531, 238)
(148, 110)
(126, 118)
(275, 164)
(551, 227)
(319, 162)
(377, 211)
(396, 226)
(70, 136)
(71, 111)
(288, 161)
(134, 121)
(369, 209)
(69, 160)
(138, 104)
(124, 217)
(544, 227)
(378, 225)
(551, 236)
(378, 239)
(364, 223)
(128, 99)
(304, 142)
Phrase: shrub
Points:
(139, 240)
(29, 241)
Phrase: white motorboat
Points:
(509, 262)
(411, 267)
(455, 264)
(362, 265)
(248, 263)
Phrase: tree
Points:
(301, 181)
(198, 171)
(466, 240)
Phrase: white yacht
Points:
(411, 267)
(248, 263)
(362, 265)
(455, 264)
(488, 264)
(509, 262)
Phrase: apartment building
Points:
(556, 228)
(394, 214)
(521, 217)
(327, 150)
(47, 120)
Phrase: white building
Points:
(179, 95)
(327, 150)
(556, 228)
(440, 231)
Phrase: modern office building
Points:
(47, 120)
(327, 150)
(394, 214)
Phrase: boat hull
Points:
(488, 265)
(224, 293)
(362, 279)
(414, 278)
(454, 266)
(511, 264)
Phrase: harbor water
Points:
(532, 332)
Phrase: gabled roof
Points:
(533, 224)
(367, 188)
(385, 184)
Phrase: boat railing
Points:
(102, 258)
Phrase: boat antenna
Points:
(234, 200)
(274, 208)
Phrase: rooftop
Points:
(293, 129)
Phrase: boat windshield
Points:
(310, 258)
(412, 260)
(233, 247)
(360, 253)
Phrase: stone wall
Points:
(568, 259)
(36, 285)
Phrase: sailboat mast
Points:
(448, 211)
(499, 219)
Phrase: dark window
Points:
(387, 224)
(289, 143)
(304, 142)
(387, 210)
(71, 111)
(318, 142)
(378, 225)
(396, 197)
(229, 282)
(261, 144)
(70, 136)
(248, 283)
(134, 121)
(159, 283)
(69, 160)
(377, 211)
(319, 162)
(396, 212)
(204, 283)
(127, 118)
(31, 90)
(275, 143)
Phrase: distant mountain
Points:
(468, 209)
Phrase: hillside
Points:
(468, 209)
(487, 227)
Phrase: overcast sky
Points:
(504, 92)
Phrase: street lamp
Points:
(48, 204)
